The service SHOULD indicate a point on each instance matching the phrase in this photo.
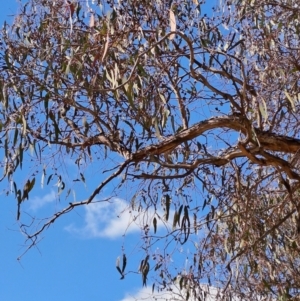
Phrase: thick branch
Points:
(268, 141)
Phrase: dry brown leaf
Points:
(71, 7)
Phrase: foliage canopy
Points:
(188, 113)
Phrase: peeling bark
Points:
(268, 141)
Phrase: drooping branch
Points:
(71, 206)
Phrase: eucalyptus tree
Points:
(186, 108)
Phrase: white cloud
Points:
(36, 203)
(112, 219)
(207, 293)
(145, 294)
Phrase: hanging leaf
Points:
(92, 20)
(157, 130)
(181, 283)
(186, 212)
(19, 198)
(82, 177)
(141, 266)
(145, 273)
(16, 136)
(118, 267)
(290, 100)
(144, 269)
(179, 213)
(185, 225)
(105, 47)
(155, 224)
(67, 70)
(263, 109)
(165, 118)
(49, 179)
(167, 204)
(175, 220)
(124, 263)
(24, 130)
(195, 223)
(27, 188)
(204, 204)
(172, 21)
(31, 185)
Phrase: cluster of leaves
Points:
(199, 113)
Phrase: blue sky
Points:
(75, 260)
